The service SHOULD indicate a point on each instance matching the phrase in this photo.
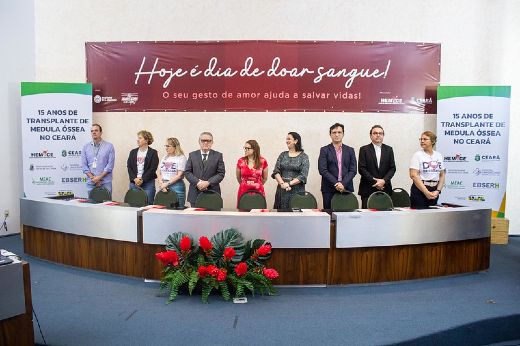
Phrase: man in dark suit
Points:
(337, 166)
(205, 168)
(376, 166)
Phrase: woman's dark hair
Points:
(298, 145)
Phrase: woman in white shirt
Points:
(427, 173)
(171, 170)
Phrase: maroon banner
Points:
(242, 76)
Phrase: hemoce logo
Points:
(456, 158)
(43, 155)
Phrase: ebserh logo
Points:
(130, 98)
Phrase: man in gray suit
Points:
(205, 168)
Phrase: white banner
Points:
(56, 121)
(472, 135)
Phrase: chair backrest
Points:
(304, 200)
(379, 200)
(210, 200)
(169, 199)
(400, 198)
(344, 202)
(252, 199)
(136, 197)
(99, 194)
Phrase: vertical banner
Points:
(473, 134)
(56, 121)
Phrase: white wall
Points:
(16, 65)
(478, 48)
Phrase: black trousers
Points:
(418, 200)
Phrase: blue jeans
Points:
(149, 188)
(180, 189)
(107, 185)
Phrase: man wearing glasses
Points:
(205, 168)
(376, 166)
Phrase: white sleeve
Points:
(415, 162)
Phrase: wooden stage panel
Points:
(407, 262)
(294, 266)
(111, 256)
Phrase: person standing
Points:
(336, 165)
(290, 171)
(97, 158)
(251, 170)
(142, 165)
(205, 168)
(427, 173)
(376, 166)
(171, 170)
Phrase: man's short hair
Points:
(336, 125)
(206, 133)
(377, 127)
(100, 129)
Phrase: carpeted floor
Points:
(82, 307)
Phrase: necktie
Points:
(204, 159)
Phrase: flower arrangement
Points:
(226, 262)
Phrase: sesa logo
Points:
(477, 157)
(476, 198)
(71, 153)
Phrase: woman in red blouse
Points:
(251, 169)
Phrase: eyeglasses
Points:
(206, 140)
(168, 146)
(246, 148)
(378, 133)
(424, 139)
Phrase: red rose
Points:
(229, 253)
(270, 273)
(241, 269)
(169, 256)
(205, 244)
(221, 276)
(264, 250)
(203, 271)
(185, 243)
(212, 270)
